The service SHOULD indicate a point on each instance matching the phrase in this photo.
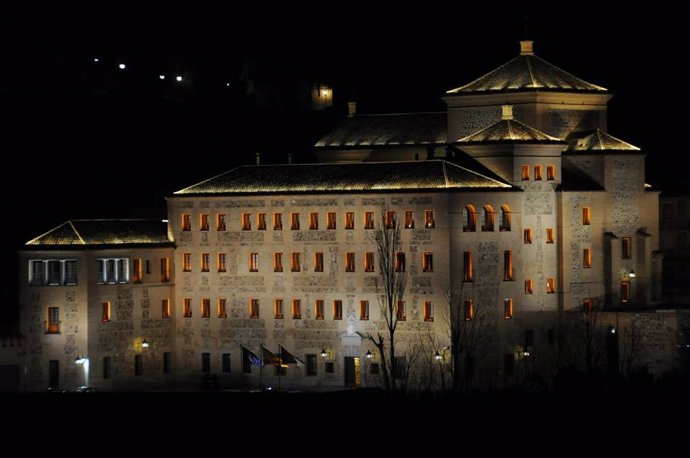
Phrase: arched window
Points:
(505, 218)
(469, 219)
(487, 218)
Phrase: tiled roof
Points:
(527, 72)
(104, 232)
(387, 130)
(509, 131)
(600, 141)
(354, 177)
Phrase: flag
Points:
(249, 355)
(269, 358)
(289, 358)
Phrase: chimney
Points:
(351, 108)
(289, 158)
(507, 112)
(526, 48)
(258, 158)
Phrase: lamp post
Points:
(440, 357)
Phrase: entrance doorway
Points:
(352, 371)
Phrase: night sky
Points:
(89, 140)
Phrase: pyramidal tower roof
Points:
(527, 72)
(601, 141)
(509, 130)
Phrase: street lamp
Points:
(324, 353)
(631, 274)
(81, 359)
(368, 354)
(438, 357)
(145, 344)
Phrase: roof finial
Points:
(526, 47)
(507, 112)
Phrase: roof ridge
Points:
(445, 173)
(600, 88)
(76, 232)
(45, 233)
(460, 88)
(529, 68)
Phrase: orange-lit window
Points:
(203, 222)
(428, 311)
(587, 258)
(254, 308)
(165, 269)
(330, 220)
(187, 308)
(390, 219)
(364, 310)
(368, 220)
(627, 248)
(349, 220)
(587, 304)
(277, 221)
(277, 262)
(296, 309)
(313, 221)
(625, 291)
(400, 262)
(467, 268)
(187, 262)
(254, 262)
(507, 309)
(550, 172)
(137, 273)
(220, 222)
(400, 311)
(165, 308)
(105, 312)
(469, 219)
(427, 262)
(294, 221)
(349, 262)
(186, 222)
(527, 235)
(261, 221)
(338, 310)
(525, 172)
(537, 172)
(206, 308)
(222, 308)
(409, 220)
(586, 216)
(429, 221)
(469, 310)
(505, 223)
(550, 285)
(295, 264)
(318, 309)
(318, 262)
(488, 220)
(507, 265)
(204, 262)
(221, 262)
(278, 309)
(550, 235)
(368, 261)
(529, 286)
(246, 221)
(53, 322)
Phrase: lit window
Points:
(349, 220)
(469, 310)
(409, 220)
(364, 310)
(165, 308)
(390, 220)
(277, 262)
(53, 321)
(488, 219)
(110, 270)
(550, 286)
(277, 221)
(400, 262)
(206, 308)
(278, 309)
(165, 269)
(187, 262)
(105, 312)
(187, 308)
(400, 311)
(507, 265)
(525, 172)
(246, 221)
(467, 268)
(295, 265)
(318, 262)
(337, 310)
(349, 262)
(137, 274)
(203, 222)
(550, 172)
(587, 305)
(505, 219)
(537, 172)
(318, 309)
(429, 221)
(205, 262)
(368, 220)
(221, 262)
(469, 219)
(294, 221)
(368, 261)
(507, 309)
(586, 216)
(330, 220)
(254, 308)
(296, 309)
(186, 222)
(550, 235)
(427, 262)
(428, 311)
(627, 247)
(587, 258)
(527, 235)
(625, 291)
(313, 221)
(529, 286)
(220, 222)
(261, 221)
(254, 262)
(222, 308)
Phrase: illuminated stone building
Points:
(516, 201)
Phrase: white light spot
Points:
(178, 78)
(165, 221)
(227, 84)
(162, 77)
(96, 59)
(122, 66)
